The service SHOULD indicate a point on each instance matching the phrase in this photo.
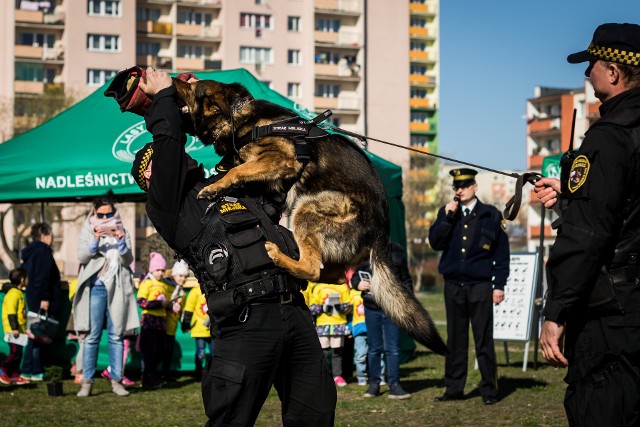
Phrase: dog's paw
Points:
(273, 251)
(208, 192)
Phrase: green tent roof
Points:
(88, 149)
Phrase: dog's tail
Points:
(399, 303)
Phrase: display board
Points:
(512, 318)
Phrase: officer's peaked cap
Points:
(463, 176)
(614, 43)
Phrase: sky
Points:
(493, 55)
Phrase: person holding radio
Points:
(382, 332)
(105, 288)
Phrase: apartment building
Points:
(549, 127)
(373, 63)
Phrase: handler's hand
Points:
(547, 190)
(364, 285)
(498, 296)
(551, 342)
(155, 81)
(452, 207)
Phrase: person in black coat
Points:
(43, 291)
(475, 266)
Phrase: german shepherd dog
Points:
(336, 202)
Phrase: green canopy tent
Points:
(88, 149)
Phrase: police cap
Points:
(463, 177)
(614, 43)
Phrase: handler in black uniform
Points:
(593, 276)
(263, 331)
(475, 266)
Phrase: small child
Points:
(358, 328)
(175, 287)
(330, 304)
(196, 319)
(14, 321)
(152, 298)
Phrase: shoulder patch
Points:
(578, 173)
(231, 207)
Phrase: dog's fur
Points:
(337, 203)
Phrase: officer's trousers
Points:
(276, 345)
(464, 304)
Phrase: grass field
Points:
(531, 398)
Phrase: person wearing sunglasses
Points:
(105, 289)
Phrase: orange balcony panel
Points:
(327, 69)
(419, 126)
(419, 78)
(22, 86)
(418, 31)
(418, 55)
(418, 103)
(535, 230)
(324, 103)
(535, 161)
(327, 4)
(22, 51)
(424, 150)
(326, 36)
(541, 125)
(195, 64)
(35, 16)
(162, 28)
(188, 30)
(418, 8)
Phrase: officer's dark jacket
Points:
(483, 256)
(600, 225)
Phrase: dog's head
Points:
(210, 105)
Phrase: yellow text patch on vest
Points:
(231, 207)
(578, 174)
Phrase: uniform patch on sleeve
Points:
(578, 173)
(231, 207)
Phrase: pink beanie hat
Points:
(156, 262)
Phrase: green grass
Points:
(531, 398)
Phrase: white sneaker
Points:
(85, 388)
(118, 388)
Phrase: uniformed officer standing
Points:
(262, 329)
(593, 277)
(475, 266)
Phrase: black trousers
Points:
(277, 345)
(464, 304)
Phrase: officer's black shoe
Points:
(489, 400)
(447, 397)
(372, 391)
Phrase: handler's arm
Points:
(440, 231)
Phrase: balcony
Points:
(544, 125)
(151, 27)
(210, 3)
(422, 56)
(422, 79)
(38, 52)
(198, 31)
(340, 71)
(35, 88)
(422, 32)
(422, 9)
(535, 161)
(342, 102)
(30, 16)
(345, 6)
(156, 61)
(419, 103)
(419, 127)
(344, 38)
(198, 64)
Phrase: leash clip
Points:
(244, 314)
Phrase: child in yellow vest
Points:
(196, 320)
(154, 301)
(331, 304)
(175, 290)
(14, 321)
(358, 329)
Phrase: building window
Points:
(418, 93)
(418, 69)
(418, 1)
(194, 18)
(328, 90)
(419, 140)
(103, 43)
(36, 39)
(256, 21)
(147, 48)
(418, 22)
(419, 117)
(327, 57)
(294, 90)
(147, 14)
(99, 77)
(194, 51)
(293, 24)
(326, 24)
(104, 7)
(261, 1)
(294, 57)
(269, 83)
(254, 55)
(416, 45)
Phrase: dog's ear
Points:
(236, 92)
(185, 92)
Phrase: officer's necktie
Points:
(466, 211)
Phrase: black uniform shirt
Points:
(592, 219)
